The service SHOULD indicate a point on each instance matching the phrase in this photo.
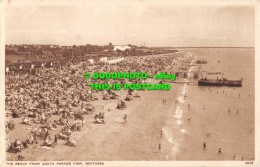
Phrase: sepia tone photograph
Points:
(129, 81)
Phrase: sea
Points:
(221, 117)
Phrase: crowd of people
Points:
(59, 97)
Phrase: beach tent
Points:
(121, 48)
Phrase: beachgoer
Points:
(204, 145)
(55, 139)
(24, 144)
(57, 102)
(159, 147)
(36, 144)
(234, 156)
(125, 117)
(219, 150)
(35, 136)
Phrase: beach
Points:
(138, 139)
(155, 130)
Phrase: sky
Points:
(157, 25)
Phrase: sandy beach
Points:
(138, 139)
(155, 130)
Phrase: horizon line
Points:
(150, 46)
